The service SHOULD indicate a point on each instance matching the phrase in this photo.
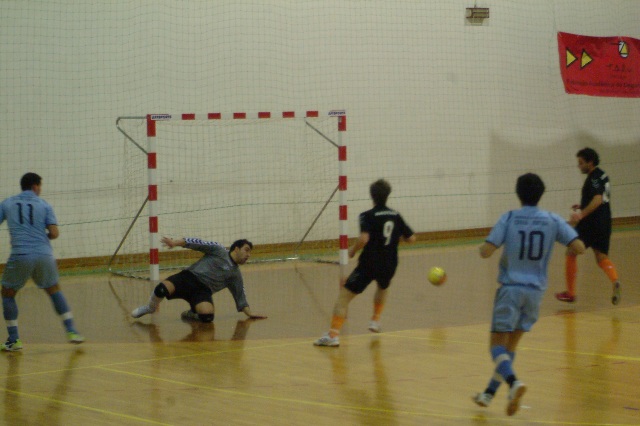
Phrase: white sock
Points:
(154, 302)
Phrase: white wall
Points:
(451, 114)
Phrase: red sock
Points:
(571, 271)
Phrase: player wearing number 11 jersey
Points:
(528, 235)
(381, 229)
(32, 224)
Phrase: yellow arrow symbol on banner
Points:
(585, 60)
(570, 58)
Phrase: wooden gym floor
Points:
(581, 362)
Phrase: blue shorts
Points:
(21, 267)
(515, 307)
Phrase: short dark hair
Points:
(28, 180)
(240, 244)
(589, 155)
(380, 191)
(529, 188)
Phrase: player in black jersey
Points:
(381, 229)
(592, 220)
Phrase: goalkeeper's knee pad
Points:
(206, 317)
(161, 291)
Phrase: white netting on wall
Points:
(449, 113)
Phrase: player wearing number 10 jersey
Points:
(528, 235)
(381, 229)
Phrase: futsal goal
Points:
(276, 179)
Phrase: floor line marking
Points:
(84, 407)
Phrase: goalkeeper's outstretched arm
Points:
(193, 244)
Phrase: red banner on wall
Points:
(600, 66)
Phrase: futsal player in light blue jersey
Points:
(528, 235)
(32, 223)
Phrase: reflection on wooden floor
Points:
(581, 361)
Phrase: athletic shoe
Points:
(11, 346)
(327, 341)
(75, 337)
(615, 298)
(190, 316)
(375, 327)
(515, 394)
(142, 310)
(565, 297)
(483, 399)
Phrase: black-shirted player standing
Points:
(592, 220)
(381, 229)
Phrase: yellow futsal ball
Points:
(437, 276)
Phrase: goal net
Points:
(273, 179)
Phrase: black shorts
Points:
(595, 236)
(189, 288)
(361, 277)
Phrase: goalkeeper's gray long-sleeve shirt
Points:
(217, 270)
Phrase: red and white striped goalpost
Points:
(154, 239)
